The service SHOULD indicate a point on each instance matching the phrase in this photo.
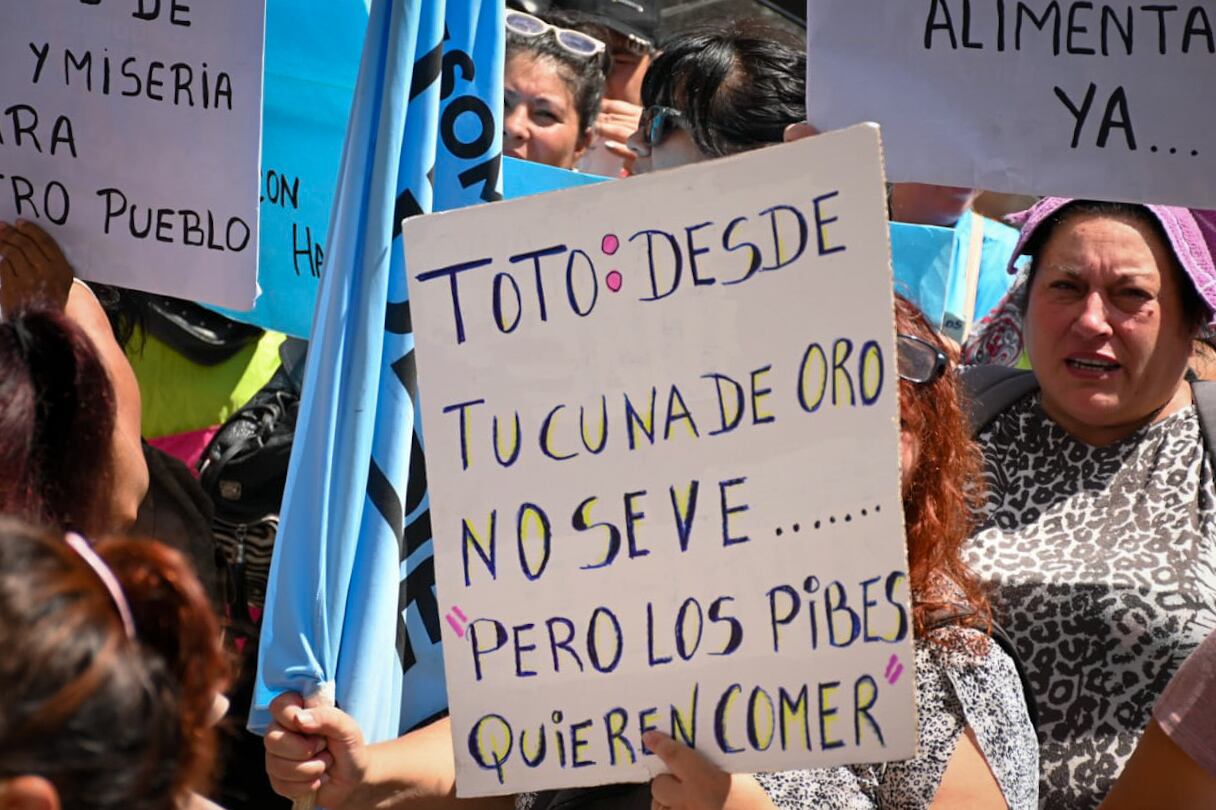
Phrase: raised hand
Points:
(32, 268)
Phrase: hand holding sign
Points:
(694, 783)
(32, 267)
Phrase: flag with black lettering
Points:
(351, 598)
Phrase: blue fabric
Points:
(312, 60)
(930, 265)
(351, 597)
(921, 259)
(521, 178)
(994, 278)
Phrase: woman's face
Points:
(540, 122)
(1105, 327)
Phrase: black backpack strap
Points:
(959, 614)
(1003, 641)
(1204, 394)
(989, 390)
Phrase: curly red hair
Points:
(943, 490)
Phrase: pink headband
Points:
(82, 547)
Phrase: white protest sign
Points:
(130, 130)
(661, 427)
(1098, 100)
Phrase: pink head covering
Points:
(1191, 233)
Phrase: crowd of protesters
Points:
(1060, 516)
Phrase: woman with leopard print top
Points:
(1098, 533)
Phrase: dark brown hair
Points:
(943, 491)
(583, 76)
(57, 414)
(738, 83)
(112, 723)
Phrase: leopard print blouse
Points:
(957, 687)
(1103, 568)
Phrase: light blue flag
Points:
(351, 598)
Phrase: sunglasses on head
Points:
(918, 360)
(656, 123)
(576, 42)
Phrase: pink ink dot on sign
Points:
(613, 280)
(610, 244)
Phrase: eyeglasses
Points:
(576, 42)
(918, 360)
(656, 123)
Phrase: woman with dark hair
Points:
(56, 424)
(552, 86)
(976, 747)
(111, 664)
(976, 744)
(719, 90)
(69, 402)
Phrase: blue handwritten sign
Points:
(312, 60)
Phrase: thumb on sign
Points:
(695, 783)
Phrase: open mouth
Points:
(1091, 364)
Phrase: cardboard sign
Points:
(1098, 100)
(129, 129)
(661, 433)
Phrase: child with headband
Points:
(112, 667)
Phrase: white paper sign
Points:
(130, 130)
(1097, 100)
(661, 433)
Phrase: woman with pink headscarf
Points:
(1098, 535)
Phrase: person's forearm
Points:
(1160, 774)
(417, 772)
(747, 794)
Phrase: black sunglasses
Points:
(919, 361)
(656, 122)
